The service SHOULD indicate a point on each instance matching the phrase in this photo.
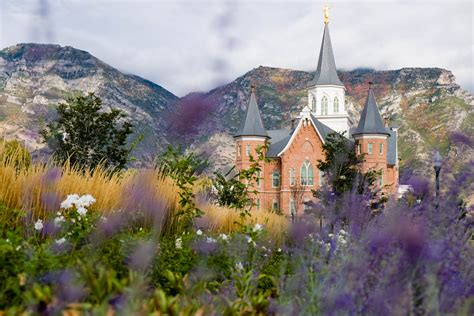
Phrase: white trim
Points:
(367, 136)
(252, 138)
(327, 85)
(296, 132)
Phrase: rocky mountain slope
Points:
(35, 77)
(426, 103)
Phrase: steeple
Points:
(326, 72)
(252, 125)
(370, 120)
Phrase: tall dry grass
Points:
(39, 188)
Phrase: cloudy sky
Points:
(196, 45)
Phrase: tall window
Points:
(257, 204)
(292, 206)
(321, 177)
(381, 149)
(276, 179)
(381, 178)
(259, 177)
(247, 150)
(359, 149)
(292, 176)
(275, 205)
(313, 104)
(306, 173)
(239, 150)
(369, 148)
(336, 105)
(324, 106)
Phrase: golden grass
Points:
(40, 186)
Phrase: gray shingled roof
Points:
(370, 120)
(326, 71)
(252, 125)
(392, 148)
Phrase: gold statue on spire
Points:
(326, 15)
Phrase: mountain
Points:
(426, 103)
(35, 77)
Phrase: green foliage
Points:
(183, 168)
(341, 166)
(234, 190)
(87, 136)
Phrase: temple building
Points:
(293, 153)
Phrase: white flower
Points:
(239, 266)
(199, 232)
(85, 201)
(330, 235)
(39, 225)
(17, 248)
(210, 240)
(7, 240)
(342, 232)
(223, 237)
(249, 239)
(179, 243)
(58, 220)
(81, 210)
(279, 250)
(264, 248)
(60, 241)
(257, 228)
(70, 200)
(342, 177)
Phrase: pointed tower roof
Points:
(326, 72)
(370, 120)
(253, 124)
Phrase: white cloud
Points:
(189, 45)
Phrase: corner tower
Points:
(250, 135)
(326, 92)
(371, 138)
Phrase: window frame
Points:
(381, 149)
(276, 176)
(369, 148)
(313, 103)
(305, 170)
(248, 150)
(292, 177)
(324, 105)
(335, 105)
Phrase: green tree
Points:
(342, 166)
(89, 136)
(183, 168)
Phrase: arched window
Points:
(324, 106)
(336, 105)
(292, 177)
(276, 179)
(307, 173)
(313, 104)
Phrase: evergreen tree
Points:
(89, 136)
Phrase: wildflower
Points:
(249, 239)
(85, 200)
(69, 202)
(342, 177)
(224, 237)
(279, 250)
(60, 241)
(199, 232)
(239, 266)
(257, 228)
(211, 240)
(17, 248)
(81, 210)
(7, 240)
(59, 220)
(342, 232)
(39, 225)
(179, 243)
(21, 279)
(330, 235)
